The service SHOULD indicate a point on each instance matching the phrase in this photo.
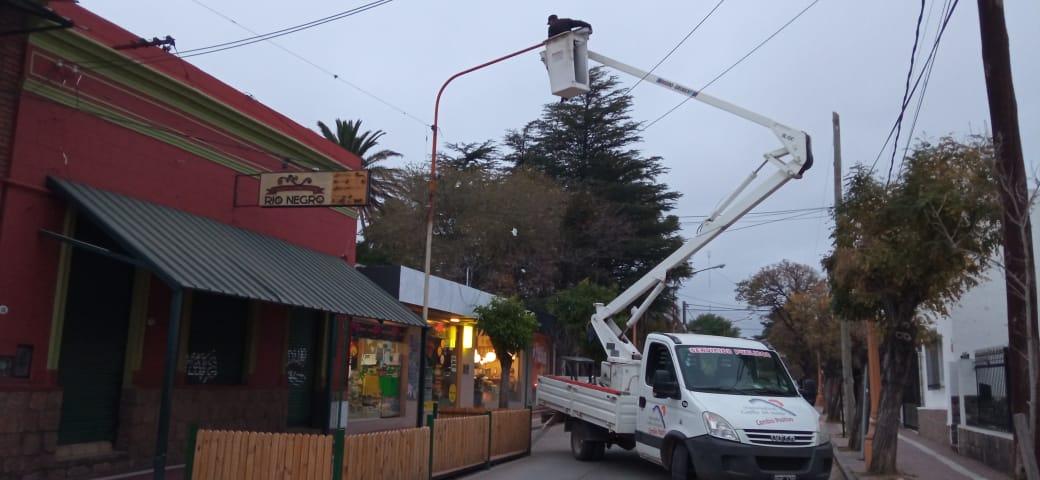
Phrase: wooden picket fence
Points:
(459, 443)
(446, 447)
(387, 455)
(223, 455)
(510, 433)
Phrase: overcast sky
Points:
(849, 57)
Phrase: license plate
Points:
(784, 477)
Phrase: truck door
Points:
(655, 413)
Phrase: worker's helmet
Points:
(552, 18)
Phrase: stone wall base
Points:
(991, 449)
(30, 419)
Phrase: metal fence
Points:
(990, 407)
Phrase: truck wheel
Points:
(681, 468)
(584, 449)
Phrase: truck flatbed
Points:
(606, 407)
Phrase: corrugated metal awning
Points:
(190, 251)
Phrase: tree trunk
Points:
(833, 395)
(897, 354)
(506, 362)
(855, 433)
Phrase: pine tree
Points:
(617, 225)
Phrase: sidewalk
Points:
(917, 458)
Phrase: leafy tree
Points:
(916, 244)
(481, 232)
(381, 179)
(573, 308)
(511, 328)
(773, 288)
(712, 324)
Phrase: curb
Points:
(846, 472)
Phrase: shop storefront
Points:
(463, 370)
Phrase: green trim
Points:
(80, 103)
(189, 455)
(338, 443)
(182, 349)
(120, 118)
(137, 326)
(78, 48)
(61, 288)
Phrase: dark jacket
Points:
(561, 25)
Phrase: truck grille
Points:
(782, 438)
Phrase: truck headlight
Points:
(718, 427)
(823, 437)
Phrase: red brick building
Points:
(127, 211)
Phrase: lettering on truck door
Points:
(655, 416)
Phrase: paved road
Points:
(551, 460)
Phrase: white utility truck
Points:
(702, 406)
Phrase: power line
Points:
(767, 212)
(929, 60)
(731, 67)
(335, 76)
(676, 47)
(796, 217)
(220, 47)
(906, 89)
(710, 303)
(800, 216)
(924, 90)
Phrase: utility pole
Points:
(684, 314)
(1014, 199)
(848, 397)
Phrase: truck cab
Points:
(732, 407)
(703, 407)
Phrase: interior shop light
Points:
(467, 336)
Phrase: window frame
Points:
(647, 373)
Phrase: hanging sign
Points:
(314, 189)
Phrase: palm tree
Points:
(381, 179)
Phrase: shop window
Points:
(487, 381)
(444, 367)
(216, 340)
(377, 357)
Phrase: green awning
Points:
(198, 253)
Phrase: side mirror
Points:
(665, 385)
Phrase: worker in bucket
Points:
(559, 25)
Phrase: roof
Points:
(199, 253)
(716, 341)
(445, 295)
(98, 29)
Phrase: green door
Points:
(300, 367)
(93, 342)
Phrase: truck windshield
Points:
(737, 371)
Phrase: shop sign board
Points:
(314, 189)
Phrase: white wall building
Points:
(949, 384)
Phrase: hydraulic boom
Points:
(789, 161)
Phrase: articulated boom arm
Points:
(791, 160)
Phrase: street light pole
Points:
(433, 172)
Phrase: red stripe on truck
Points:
(584, 384)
